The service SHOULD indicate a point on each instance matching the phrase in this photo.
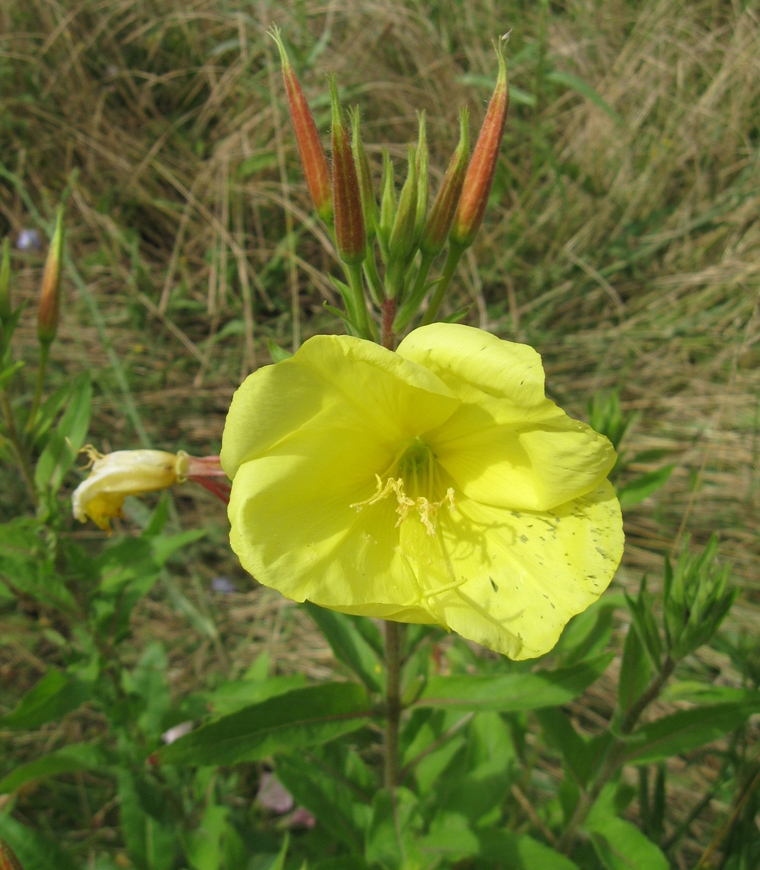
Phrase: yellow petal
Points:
(116, 475)
(507, 445)
(333, 381)
(479, 367)
(511, 580)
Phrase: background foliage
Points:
(621, 241)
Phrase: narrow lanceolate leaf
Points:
(510, 692)
(350, 233)
(70, 759)
(477, 183)
(303, 717)
(313, 158)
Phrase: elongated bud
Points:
(421, 168)
(313, 158)
(401, 241)
(50, 297)
(8, 859)
(477, 183)
(6, 306)
(438, 224)
(134, 472)
(367, 191)
(350, 234)
(387, 196)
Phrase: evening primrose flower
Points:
(133, 472)
(435, 484)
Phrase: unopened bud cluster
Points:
(407, 235)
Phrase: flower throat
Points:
(414, 487)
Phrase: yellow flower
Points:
(117, 475)
(436, 484)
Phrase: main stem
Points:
(393, 643)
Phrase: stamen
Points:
(428, 510)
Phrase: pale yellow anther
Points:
(428, 510)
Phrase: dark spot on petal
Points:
(493, 584)
(524, 539)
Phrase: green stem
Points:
(356, 283)
(614, 758)
(44, 354)
(393, 644)
(452, 261)
(416, 295)
(18, 448)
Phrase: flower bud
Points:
(387, 198)
(350, 234)
(366, 189)
(401, 242)
(477, 183)
(438, 225)
(50, 297)
(313, 158)
(8, 859)
(421, 168)
(696, 598)
(6, 306)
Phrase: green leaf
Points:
(620, 845)
(237, 694)
(584, 89)
(277, 353)
(451, 838)
(52, 697)
(80, 756)
(506, 693)
(686, 730)
(644, 485)
(348, 645)
(34, 850)
(392, 837)
(577, 754)
(303, 717)
(332, 799)
(151, 841)
(62, 448)
(257, 163)
(635, 671)
(204, 845)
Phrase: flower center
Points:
(415, 487)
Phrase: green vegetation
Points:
(621, 241)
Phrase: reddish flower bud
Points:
(313, 158)
(438, 225)
(8, 859)
(50, 297)
(477, 183)
(350, 234)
